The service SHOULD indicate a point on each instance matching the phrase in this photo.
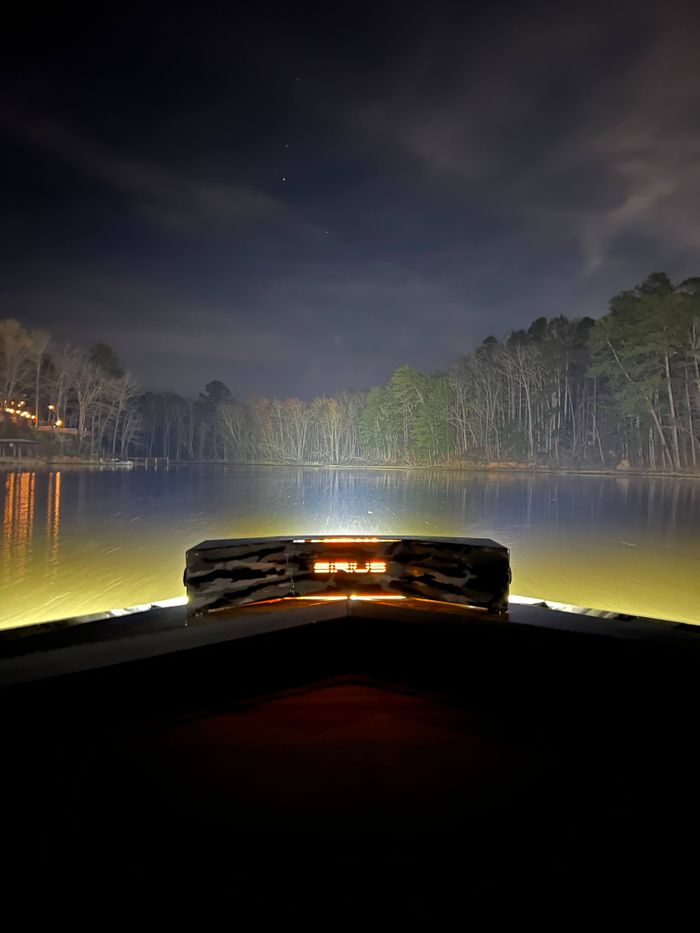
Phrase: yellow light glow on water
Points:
(83, 541)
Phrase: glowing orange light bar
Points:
(349, 566)
(341, 540)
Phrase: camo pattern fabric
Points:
(470, 571)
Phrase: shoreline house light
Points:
(18, 410)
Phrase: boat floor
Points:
(417, 761)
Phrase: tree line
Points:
(623, 390)
(73, 400)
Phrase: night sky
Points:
(297, 200)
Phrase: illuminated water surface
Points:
(81, 540)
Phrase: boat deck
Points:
(317, 761)
(68, 646)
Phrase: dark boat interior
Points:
(417, 758)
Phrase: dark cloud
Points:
(164, 196)
(299, 200)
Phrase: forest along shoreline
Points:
(617, 394)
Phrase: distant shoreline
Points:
(480, 468)
(497, 467)
(35, 462)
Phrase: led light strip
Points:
(344, 540)
(349, 566)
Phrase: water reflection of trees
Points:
(590, 504)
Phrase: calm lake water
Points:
(81, 540)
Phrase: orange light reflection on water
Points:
(18, 522)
